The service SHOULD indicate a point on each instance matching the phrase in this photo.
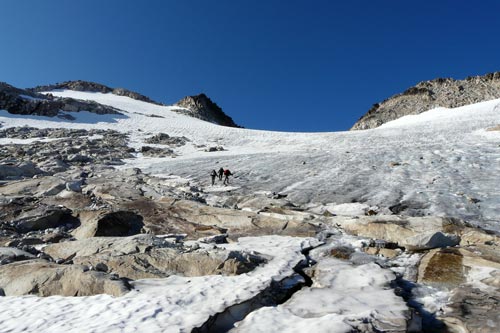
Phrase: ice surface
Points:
(442, 162)
(437, 163)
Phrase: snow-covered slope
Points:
(441, 162)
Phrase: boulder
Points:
(156, 152)
(74, 186)
(442, 268)
(19, 170)
(78, 158)
(431, 240)
(41, 278)
(11, 254)
(473, 310)
(453, 267)
(474, 237)
(43, 217)
(108, 223)
(44, 186)
(165, 139)
(414, 233)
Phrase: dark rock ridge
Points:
(201, 107)
(427, 95)
(80, 85)
(29, 102)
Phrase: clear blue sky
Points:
(289, 65)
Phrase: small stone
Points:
(100, 267)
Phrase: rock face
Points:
(80, 85)
(201, 107)
(427, 95)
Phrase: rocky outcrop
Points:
(16, 170)
(149, 151)
(80, 85)
(43, 217)
(165, 139)
(199, 220)
(202, 107)
(146, 256)
(473, 310)
(11, 254)
(427, 95)
(32, 102)
(38, 277)
(29, 102)
(72, 147)
(412, 233)
(108, 223)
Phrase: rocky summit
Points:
(110, 219)
(202, 107)
(447, 93)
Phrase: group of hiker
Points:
(226, 173)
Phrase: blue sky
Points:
(289, 65)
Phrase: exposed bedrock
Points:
(42, 278)
(428, 95)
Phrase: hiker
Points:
(213, 174)
(227, 173)
(221, 172)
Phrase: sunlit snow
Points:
(442, 162)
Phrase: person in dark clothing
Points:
(227, 173)
(221, 172)
(213, 174)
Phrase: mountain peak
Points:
(427, 95)
(202, 107)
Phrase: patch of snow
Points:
(8, 141)
(341, 292)
(31, 98)
(173, 304)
